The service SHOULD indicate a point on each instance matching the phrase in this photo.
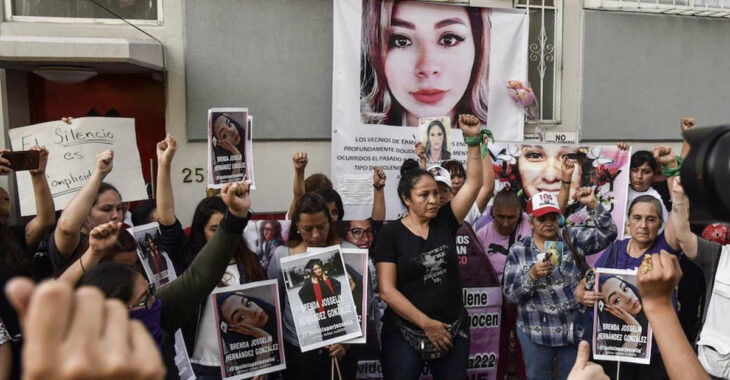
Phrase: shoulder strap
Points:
(579, 259)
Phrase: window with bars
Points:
(139, 11)
(544, 57)
(706, 8)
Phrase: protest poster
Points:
(248, 317)
(621, 331)
(435, 140)
(229, 146)
(482, 297)
(378, 98)
(356, 266)
(72, 150)
(321, 301)
(265, 236)
(156, 263)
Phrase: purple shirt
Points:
(616, 257)
(496, 246)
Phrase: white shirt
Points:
(206, 350)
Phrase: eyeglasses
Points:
(358, 233)
(148, 301)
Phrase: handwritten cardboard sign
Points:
(72, 150)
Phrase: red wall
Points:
(133, 95)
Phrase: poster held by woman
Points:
(156, 262)
(229, 146)
(621, 331)
(322, 303)
(249, 329)
(435, 138)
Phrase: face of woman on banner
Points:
(429, 58)
(360, 233)
(239, 309)
(224, 129)
(540, 168)
(617, 293)
(317, 270)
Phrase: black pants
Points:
(317, 364)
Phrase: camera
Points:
(706, 174)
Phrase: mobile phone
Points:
(23, 160)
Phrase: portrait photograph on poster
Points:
(322, 303)
(621, 331)
(227, 145)
(155, 261)
(356, 267)
(248, 317)
(429, 68)
(532, 168)
(270, 234)
(436, 138)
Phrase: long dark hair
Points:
(410, 173)
(310, 203)
(243, 255)
(116, 280)
(18, 257)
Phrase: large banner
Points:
(72, 150)
(396, 62)
(621, 331)
(249, 329)
(318, 290)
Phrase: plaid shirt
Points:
(546, 308)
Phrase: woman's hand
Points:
(42, 160)
(235, 196)
(540, 270)
(103, 237)
(438, 334)
(378, 177)
(622, 315)
(585, 196)
(586, 297)
(105, 162)
(166, 149)
(567, 170)
(300, 161)
(623, 146)
(663, 154)
(337, 350)
(244, 328)
(232, 149)
(420, 150)
(656, 286)
(687, 123)
(584, 369)
(469, 124)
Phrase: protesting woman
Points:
(418, 273)
(311, 227)
(543, 289)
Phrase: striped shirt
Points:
(546, 308)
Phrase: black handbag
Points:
(418, 340)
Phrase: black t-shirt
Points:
(427, 270)
(59, 263)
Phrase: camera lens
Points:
(706, 173)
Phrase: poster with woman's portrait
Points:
(621, 331)
(356, 267)
(396, 62)
(435, 140)
(248, 317)
(229, 146)
(532, 168)
(270, 234)
(156, 263)
(319, 292)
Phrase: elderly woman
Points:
(543, 291)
